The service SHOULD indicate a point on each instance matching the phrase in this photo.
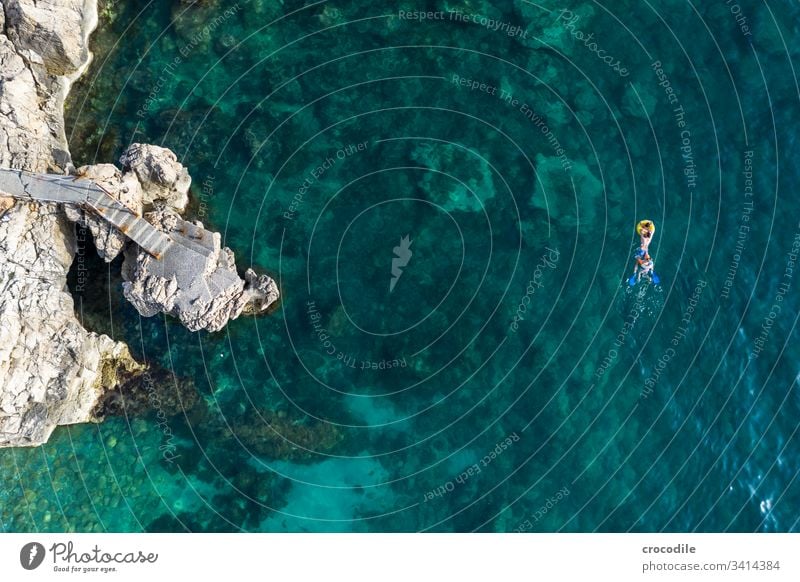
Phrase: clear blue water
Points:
(510, 380)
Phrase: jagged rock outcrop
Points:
(125, 188)
(47, 33)
(52, 371)
(41, 44)
(260, 292)
(25, 138)
(164, 180)
(196, 281)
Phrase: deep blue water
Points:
(509, 379)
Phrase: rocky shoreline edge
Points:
(53, 371)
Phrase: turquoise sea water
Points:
(508, 379)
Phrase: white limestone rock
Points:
(164, 180)
(49, 32)
(108, 241)
(196, 280)
(261, 292)
(52, 371)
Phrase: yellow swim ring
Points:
(649, 224)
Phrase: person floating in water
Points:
(645, 229)
(644, 264)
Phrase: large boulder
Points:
(164, 180)
(50, 32)
(260, 292)
(24, 129)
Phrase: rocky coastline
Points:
(53, 371)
